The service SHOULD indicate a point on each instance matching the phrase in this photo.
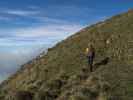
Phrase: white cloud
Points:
(21, 12)
(13, 14)
(51, 30)
(54, 30)
(42, 14)
(48, 19)
(11, 60)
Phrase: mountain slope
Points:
(62, 73)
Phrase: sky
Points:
(27, 27)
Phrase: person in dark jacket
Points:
(90, 56)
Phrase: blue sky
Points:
(27, 27)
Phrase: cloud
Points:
(21, 12)
(39, 13)
(14, 56)
(13, 14)
(14, 53)
(51, 30)
(48, 31)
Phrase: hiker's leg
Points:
(91, 68)
(88, 62)
(91, 63)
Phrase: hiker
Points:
(90, 56)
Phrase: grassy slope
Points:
(65, 61)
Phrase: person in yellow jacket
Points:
(90, 53)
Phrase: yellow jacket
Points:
(88, 51)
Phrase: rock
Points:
(108, 41)
(24, 95)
